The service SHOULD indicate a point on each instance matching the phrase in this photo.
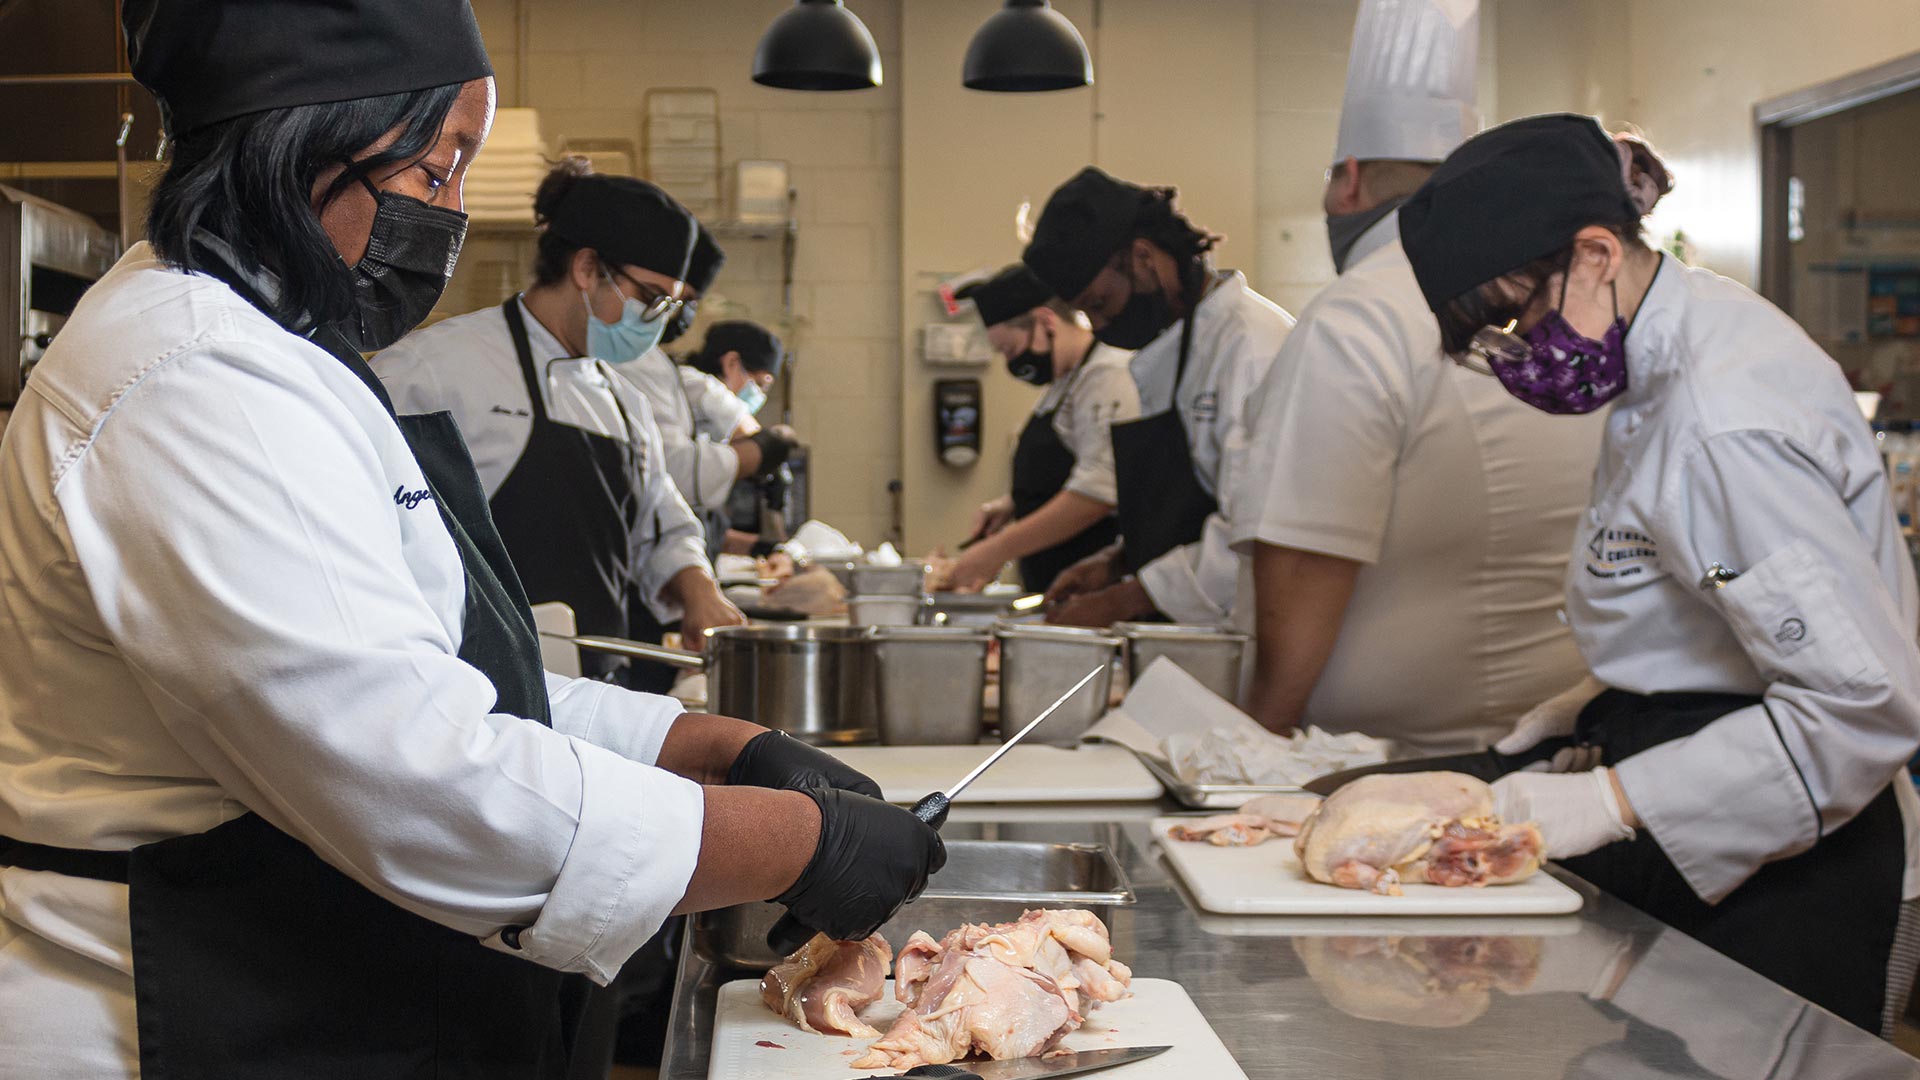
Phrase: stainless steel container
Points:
(969, 609)
(907, 580)
(815, 682)
(983, 881)
(1038, 664)
(1211, 654)
(884, 610)
(933, 684)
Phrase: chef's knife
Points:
(788, 933)
(1488, 765)
(1044, 1067)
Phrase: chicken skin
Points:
(1430, 828)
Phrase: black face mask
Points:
(411, 251)
(1142, 320)
(1032, 367)
(682, 322)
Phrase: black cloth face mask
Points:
(1345, 230)
(1142, 320)
(1033, 366)
(682, 322)
(411, 251)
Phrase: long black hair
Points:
(1161, 222)
(249, 182)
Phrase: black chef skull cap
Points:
(628, 221)
(708, 258)
(212, 60)
(1086, 220)
(759, 349)
(1508, 196)
(1009, 294)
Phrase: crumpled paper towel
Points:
(1208, 741)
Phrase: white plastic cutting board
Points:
(1027, 774)
(1158, 1014)
(1267, 880)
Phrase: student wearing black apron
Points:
(370, 837)
(1126, 257)
(1059, 509)
(569, 452)
(1739, 589)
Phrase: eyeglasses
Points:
(657, 302)
(1492, 345)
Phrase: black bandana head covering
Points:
(629, 222)
(707, 260)
(759, 349)
(1011, 293)
(212, 60)
(1087, 219)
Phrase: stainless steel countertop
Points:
(1609, 993)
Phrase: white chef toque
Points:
(1411, 80)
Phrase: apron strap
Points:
(1186, 336)
(73, 862)
(517, 326)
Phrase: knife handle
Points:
(1540, 751)
(933, 810)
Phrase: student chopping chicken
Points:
(1739, 587)
(284, 791)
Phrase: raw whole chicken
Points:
(825, 983)
(1435, 828)
(1257, 822)
(1008, 991)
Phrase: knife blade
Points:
(1488, 765)
(1044, 1067)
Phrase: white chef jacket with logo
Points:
(697, 416)
(1738, 443)
(1097, 394)
(216, 602)
(1237, 333)
(1367, 443)
(467, 366)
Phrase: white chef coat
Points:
(697, 416)
(1738, 442)
(1097, 394)
(467, 366)
(1237, 333)
(218, 600)
(1368, 444)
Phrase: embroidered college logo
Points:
(1620, 553)
(410, 499)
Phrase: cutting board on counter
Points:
(1027, 774)
(1267, 879)
(750, 1043)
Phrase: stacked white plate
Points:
(501, 183)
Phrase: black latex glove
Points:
(872, 858)
(776, 445)
(775, 759)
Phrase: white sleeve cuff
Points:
(627, 722)
(667, 561)
(1175, 589)
(631, 860)
(1723, 801)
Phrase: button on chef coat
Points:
(1236, 335)
(697, 416)
(1368, 444)
(225, 593)
(1738, 443)
(1086, 403)
(467, 365)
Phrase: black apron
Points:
(1041, 465)
(254, 958)
(567, 513)
(1820, 923)
(1160, 503)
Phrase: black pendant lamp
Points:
(817, 45)
(1027, 46)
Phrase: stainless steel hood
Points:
(49, 255)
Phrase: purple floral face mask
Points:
(1557, 369)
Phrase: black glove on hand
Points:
(776, 445)
(775, 759)
(872, 858)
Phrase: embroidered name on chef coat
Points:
(410, 499)
(1206, 407)
(1619, 553)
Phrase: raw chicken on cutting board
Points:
(1257, 822)
(1434, 827)
(825, 983)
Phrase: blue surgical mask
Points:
(629, 339)
(753, 396)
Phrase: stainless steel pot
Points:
(813, 682)
(933, 682)
(1211, 654)
(1039, 663)
(907, 580)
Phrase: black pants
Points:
(1820, 923)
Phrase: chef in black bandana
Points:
(284, 791)
(1059, 509)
